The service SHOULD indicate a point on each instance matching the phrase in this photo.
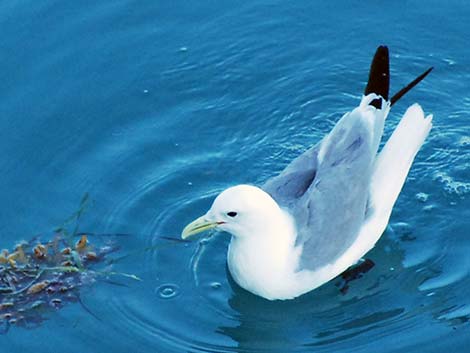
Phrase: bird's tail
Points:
(379, 79)
(394, 161)
(379, 76)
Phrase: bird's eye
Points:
(231, 214)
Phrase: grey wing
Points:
(326, 190)
(292, 183)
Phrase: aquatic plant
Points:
(39, 275)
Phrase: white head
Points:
(240, 210)
(261, 252)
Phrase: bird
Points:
(329, 206)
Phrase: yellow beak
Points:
(197, 226)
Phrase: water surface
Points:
(155, 107)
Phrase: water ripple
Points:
(155, 117)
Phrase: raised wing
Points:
(295, 179)
(326, 188)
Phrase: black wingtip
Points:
(379, 76)
(409, 86)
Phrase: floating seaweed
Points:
(39, 276)
(47, 272)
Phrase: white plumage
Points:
(325, 211)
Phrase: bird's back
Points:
(331, 192)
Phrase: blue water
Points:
(154, 107)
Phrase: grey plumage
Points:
(328, 195)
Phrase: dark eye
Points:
(231, 214)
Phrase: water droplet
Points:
(403, 231)
(450, 62)
(428, 208)
(451, 186)
(464, 141)
(216, 285)
(167, 291)
(421, 196)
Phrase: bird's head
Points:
(240, 210)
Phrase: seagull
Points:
(329, 206)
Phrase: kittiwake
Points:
(329, 206)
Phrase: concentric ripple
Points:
(188, 302)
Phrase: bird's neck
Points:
(260, 262)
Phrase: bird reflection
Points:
(329, 314)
